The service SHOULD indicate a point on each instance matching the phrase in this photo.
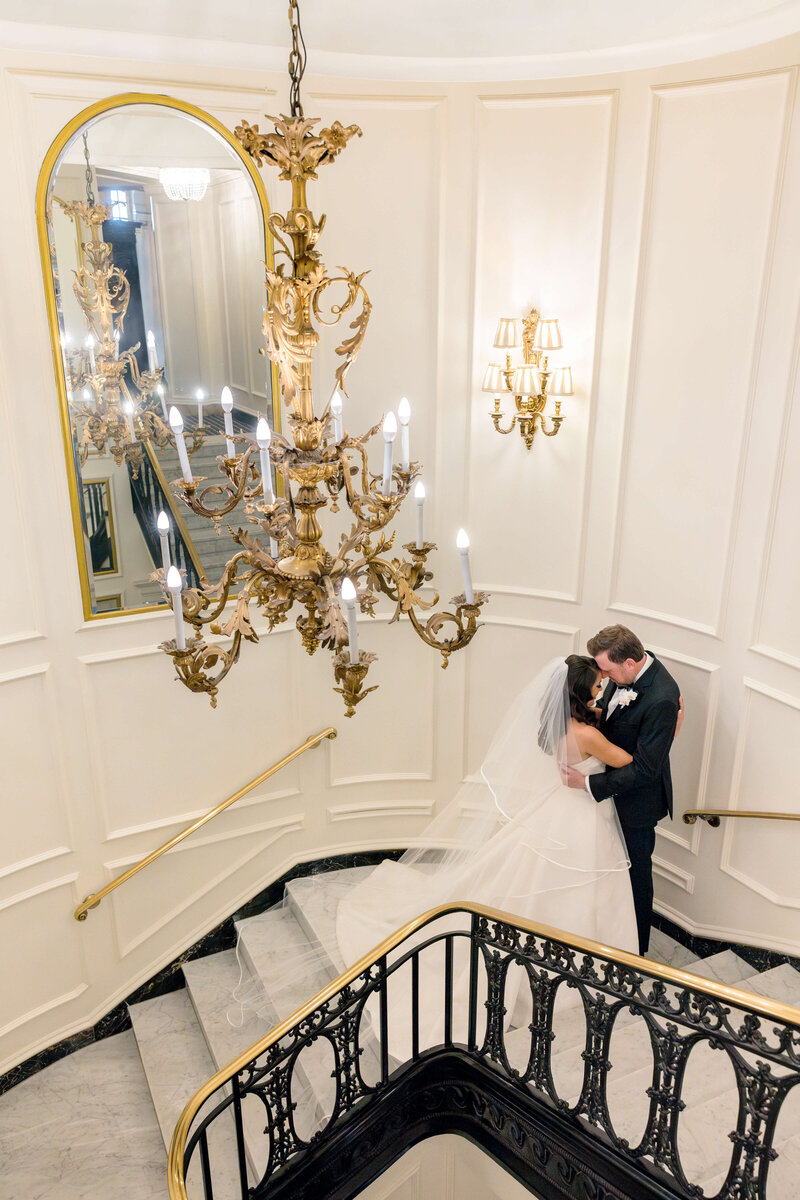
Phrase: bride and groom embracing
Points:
(559, 826)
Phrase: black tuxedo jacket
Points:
(642, 791)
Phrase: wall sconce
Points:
(531, 383)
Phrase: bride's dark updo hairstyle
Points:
(581, 677)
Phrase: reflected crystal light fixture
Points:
(184, 183)
(281, 560)
(531, 383)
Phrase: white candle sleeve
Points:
(419, 499)
(175, 585)
(273, 548)
(152, 361)
(176, 424)
(226, 400)
(349, 602)
(163, 533)
(131, 425)
(264, 437)
(462, 542)
(386, 486)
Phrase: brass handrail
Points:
(92, 901)
(712, 815)
(728, 995)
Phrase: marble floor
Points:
(84, 1129)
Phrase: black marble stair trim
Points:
(170, 978)
(759, 957)
(223, 937)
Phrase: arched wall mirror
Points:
(152, 228)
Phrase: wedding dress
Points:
(517, 840)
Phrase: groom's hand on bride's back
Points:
(571, 777)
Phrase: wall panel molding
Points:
(661, 97)
(379, 809)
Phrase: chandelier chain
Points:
(297, 59)
(89, 190)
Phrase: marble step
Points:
(221, 993)
(176, 1063)
(313, 901)
(664, 949)
(277, 953)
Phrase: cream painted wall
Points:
(655, 214)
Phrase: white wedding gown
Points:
(563, 865)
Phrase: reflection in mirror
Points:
(156, 237)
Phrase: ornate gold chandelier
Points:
(109, 413)
(292, 566)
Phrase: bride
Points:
(517, 839)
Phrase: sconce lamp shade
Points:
(547, 336)
(561, 382)
(527, 381)
(493, 380)
(508, 333)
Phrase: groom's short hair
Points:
(618, 642)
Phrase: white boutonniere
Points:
(626, 697)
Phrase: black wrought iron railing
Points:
(150, 497)
(546, 1112)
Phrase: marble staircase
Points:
(233, 998)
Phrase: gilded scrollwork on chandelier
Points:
(282, 561)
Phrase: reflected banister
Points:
(92, 900)
(712, 815)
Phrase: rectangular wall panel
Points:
(763, 854)
(542, 176)
(503, 659)
(715, 166)
(161, 752)
(35, 819)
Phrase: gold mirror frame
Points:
(84, 117)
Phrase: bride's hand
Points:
(681, 714)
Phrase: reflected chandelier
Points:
(291, 565)
(121, 408)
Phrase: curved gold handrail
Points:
(92, 901)
(685, 979)
(712, 815)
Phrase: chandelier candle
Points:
(163, 533)
(128, 406)
(389, 434)
(264, 437)
(90, 344)
(419, 497)
(116, 344)
(462, 542)
(336, 413)
(200, 396)
(175, 585)
(176, 425)
(162, 401)
(349, 602)
(404, 416)
(152, 362)
(226, 400)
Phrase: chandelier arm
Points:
(191, 664)
(465, 630)
(556, 425)
(497, 418)
(236, 490)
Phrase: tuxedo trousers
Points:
(640, 844)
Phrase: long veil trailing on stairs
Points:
(514, 839)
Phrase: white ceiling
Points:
(409, 38)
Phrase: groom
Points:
(639, 713)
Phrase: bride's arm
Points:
(591, 741)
